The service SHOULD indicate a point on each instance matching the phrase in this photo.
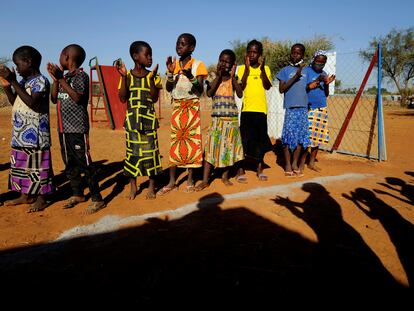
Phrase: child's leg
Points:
(39, 205)
(302, 160)
(225, 177)
(286, 154)
(240, 175)
(134, 189)
(296, 155)
(206, 175)
(173, 170)
(312, 159)
(190, 179)
(262, 176)
(151, 188)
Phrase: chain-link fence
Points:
(361, 135)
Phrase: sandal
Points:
(189, 189)
(164, 190)
(298, 173)
(262, 177)
(290, 174)
(241, 179)
(73, 200)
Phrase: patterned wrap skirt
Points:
(31, 171)
(186, 147)
(142, 154)
(296, 128)
(318, 126)
(223, 144)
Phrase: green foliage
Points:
(373, 90)
(3, 61)
(277, 53)
(397, 58)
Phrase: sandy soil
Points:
(345, 232)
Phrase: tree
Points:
(397, 59)
(277, 53)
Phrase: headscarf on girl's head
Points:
(318, 53)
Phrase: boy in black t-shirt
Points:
(71, 93)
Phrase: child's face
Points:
(183, 47)
(63, 59)
(23, 66)
(225, 64)
(319, 62)
(144, 57)
(253, 53)
(296, 54)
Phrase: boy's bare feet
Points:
(226, 182)
(94, 207)
(74, 200)
(314, 168)
(38, 206)
(150, 195)
(132, 194)
(23, 199)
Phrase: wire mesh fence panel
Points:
(361, 135)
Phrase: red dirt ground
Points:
(307, 237)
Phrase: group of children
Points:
(230, 145)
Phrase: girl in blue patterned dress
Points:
(30, 162)
(295, 133)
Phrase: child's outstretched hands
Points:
(120, 67)
(7, 76)
(187, 72)
(153, 73)
(170, 64)
(247, 62)
(329, 79)
(54, 71)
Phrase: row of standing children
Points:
(31, 171)
(227, 146)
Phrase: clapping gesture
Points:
(170, 64)
(153, 73)
(7, 76)
(329, 79)
(120, 67)
(54, 71)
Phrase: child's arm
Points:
(265, 79)
(246, 72)
(154, 91)
(213, 86)
(55, 73)
(6, 85)
(197, 81)
(170, 75)
(236, 85)
(33, 100)
(123, 89)
(284, 86)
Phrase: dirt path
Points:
(260, 235)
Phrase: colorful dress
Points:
(30, 161)
(186, 147)
(318, 111)
(141, 124)
(223, 144)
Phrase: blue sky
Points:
(106, 29)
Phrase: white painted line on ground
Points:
(113, 223)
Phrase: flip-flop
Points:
(298, 173)
(290, 174)
(262, 177)
(241, 179)
(189, 189)
(164, 190)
